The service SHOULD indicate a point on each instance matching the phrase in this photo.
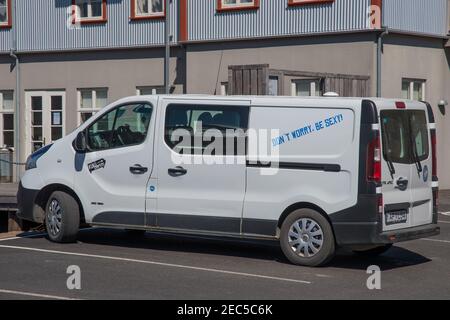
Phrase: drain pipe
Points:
(379, 59)
(17, 139)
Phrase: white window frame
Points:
(3, 112)
(313, 91)
(224, 87)
(149, 14)
(238, 4)
(93, 109)
(412, 82)
(89, 17)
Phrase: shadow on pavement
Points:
(396, 257)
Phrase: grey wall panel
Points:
(46, 25)
(274, 17)
(422, 16)
(5, 40)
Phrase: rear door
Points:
(407, 189)
(396, 169)
(421, 175)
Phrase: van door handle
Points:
(177, 172)
(402, 184)
(138, 169)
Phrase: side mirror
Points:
(80, 144)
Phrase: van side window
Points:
(124, 126)
(212, 130)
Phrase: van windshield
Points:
(405, 134)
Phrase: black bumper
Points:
(369, 234)
(26, 199)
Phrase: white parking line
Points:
(435, 240)
(36, 295)
(242, 274)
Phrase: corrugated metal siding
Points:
(423, 16)
(44, 26)
(5, 40)
(273, 18)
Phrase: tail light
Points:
(433, 151)
(374, 160)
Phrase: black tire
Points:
(325, 252)
(69, 217)
(374, 252)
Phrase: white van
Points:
(313, 173)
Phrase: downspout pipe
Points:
(167, 47)
(17, 148)
(384, 33)
(18, 94)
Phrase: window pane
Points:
(56, 133)
(8, 100)
(131, 125)
(96, 7)
(99, 134)
(406, 92)
(56, 102)
(36, 118)
(37, 134)
(86, 99)
(101, 98)
(36, 103)
(8, 139)
(395, 136)
(273, 86)
(303, 88)
(157, 6)
(8, 121)
(85, 116)
(185, 122)
(418, 95)
(142, 7)
(419, 132)
(3, 13)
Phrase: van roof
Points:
(349, 102)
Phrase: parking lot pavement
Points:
(115, 265)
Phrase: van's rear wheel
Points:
(62, 217)
(307, 238)
(373, 252)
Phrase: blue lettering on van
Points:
(308, 129)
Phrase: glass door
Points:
(46, 121)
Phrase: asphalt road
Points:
(115, 265)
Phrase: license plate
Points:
(396, 217)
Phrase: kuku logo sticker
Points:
(99, 164)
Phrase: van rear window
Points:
(404, 133)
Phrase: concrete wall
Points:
(421, 58)
(207, 64)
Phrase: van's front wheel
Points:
(307, 238)
(62, 217)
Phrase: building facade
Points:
(61, 61)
